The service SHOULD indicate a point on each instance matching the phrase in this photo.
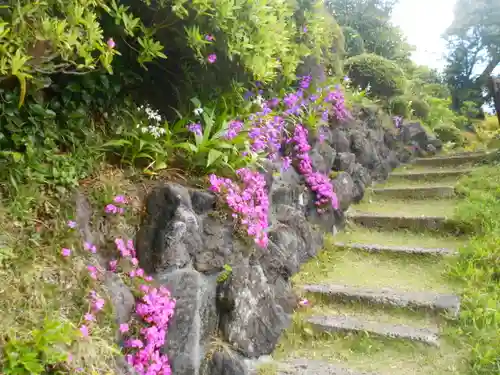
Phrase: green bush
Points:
(449, 133)
(399, 106)
(420, 108)
(353, 42)
(383, 76)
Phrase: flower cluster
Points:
(317, 182)
(233, 129)
(155, 306)
(336, 97)
(248, 201)
(154, 128)
(266, 133)
(195, 129)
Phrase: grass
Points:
(358, 234)
(428, 207)
(357, 268)
(39, 285)
(401, 182)
(478, 269)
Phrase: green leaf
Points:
(187, 146)
(117, 143)
(213, 155)
(196, 102)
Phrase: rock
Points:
(228, 362)
(415, 132)
(343, 186)
(251, 320)
(322, 157)
(194, 321)
(344, 162)
(361, 179)
(339, 141)
(170, 233)
(202, 201)
(121, 297)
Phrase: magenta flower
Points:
(66, 252)
(120, 199)
(212, 58)
(304, 302)
(89, 247)
(72, 224)
(92, 272)
(111, 209)
(113, 265)
(111, 43)
(209, 38)
(98, 304)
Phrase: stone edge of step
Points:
(397, 249)
(315, 367)
(387, 296)
(343, 323)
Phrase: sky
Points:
(423, 22)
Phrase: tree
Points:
(474, 49)
(371, 19)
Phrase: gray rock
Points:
(314, 367)
(121, 297)
(322, 157)
(361, 179)
(343, 186)
(170, 233)
(415, 133)
(202, 201)
(345, 162)
(194, 321)
(339, 141)
(398, 249)
(251, 321)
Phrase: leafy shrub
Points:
(47, 348)
(353, 44)
(449, 133)
(420, 108)
(383, 76)
(440, 112)
(399, 106)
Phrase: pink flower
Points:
(66, 252)
(72, 224)
(111, 209)
(89, 317)
(98, 304)
(134, 261)
(111, 43)
(124, 328)
(212, 58)
(113, 265)
(209, 38)
(84, 330)
(88, 246)
(148, 278)
(120, 199)
(92, 272)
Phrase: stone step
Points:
(343, 323)
(457, 160)
(397, 249)
(430, 175)
(314, 367)
(415, 192)
(438, 302)
(393, 221)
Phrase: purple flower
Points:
(66, 252)
(209, 37)
(111, 43)
(398, 121)
(305, 82)
(212, 58)
(120, 199)
(72, 224)
(286, 162)
(234, 127)
(195, 128)
(304, 29)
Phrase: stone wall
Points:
(185, 243)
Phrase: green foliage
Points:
(400, 106)
(41, 353)
(383, 76)
(224, 275)
(478, 268)
(420, 108)
(43, 38)
(353, 44)
(440, 112)
(449, 133)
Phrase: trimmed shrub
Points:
(420, 108)
(353, 42)
(383, 76)
(449, 133)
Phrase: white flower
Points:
(258, 100)
(198, 111)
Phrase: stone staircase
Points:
(355, 294)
